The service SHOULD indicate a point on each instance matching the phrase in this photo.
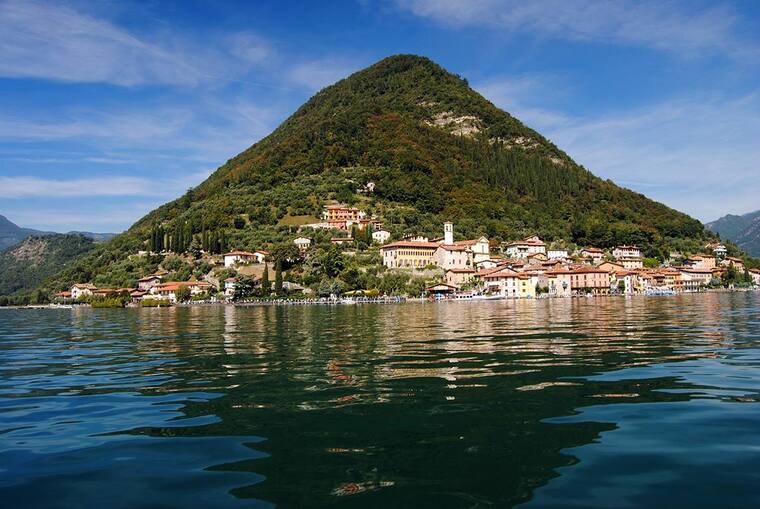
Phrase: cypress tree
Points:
(278, 277)
(266, 287)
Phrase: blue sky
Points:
(110, 108)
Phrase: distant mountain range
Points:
(11, 234)
(743, 230)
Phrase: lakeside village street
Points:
(448, 268)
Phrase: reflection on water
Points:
(585, 402)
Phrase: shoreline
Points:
(387, 300)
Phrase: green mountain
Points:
(434, 148)
(27, 264)
(742, 230)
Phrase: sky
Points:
(110, 108)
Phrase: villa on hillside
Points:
(524, 248)
(381, 236)
(234, 258)
(700, 262)
(629, 257)
(303, 243)
(718, 249)
(738, 263)
(595, 254)
(557, 254)
(343, 217)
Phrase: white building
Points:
(239, 257)
(82, 290)
(626, 252)
(229, 287)
(755, 273)
(525, 247)
(718, 248)
(381, 236)
(168, 291)
(557, 254)
(303, 243)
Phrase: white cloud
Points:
(696, 154)
(29, 186)
(52, 41)
(672, 26)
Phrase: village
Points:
(448, 268)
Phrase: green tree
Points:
(182, 293)
(278, 278)
(266, 285)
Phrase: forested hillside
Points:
(435, 150)
(28, 263)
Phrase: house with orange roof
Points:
(168, 291)
(408, 254)
(558, 281)
(79, 290)
(719, 249)
(511, 284)
(700, 262)
(459, 277)
(523, 248)
(738, 263)
(146, 283)
(693, 278)
(590, 280)
(594, 254)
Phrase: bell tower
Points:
(448, 233)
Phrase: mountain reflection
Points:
(451, 404)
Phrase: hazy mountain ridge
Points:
(11, 234)
(743, 230)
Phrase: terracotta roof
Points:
(148, 278)
(85, 286)
(174, 285)
(452, 247)
(592, 250)
(462, 271)
(412, 244)
(238, 253)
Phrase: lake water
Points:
(617, 402)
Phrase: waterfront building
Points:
(755, 273)
(511, 284)
(459, 277)
(590, 280)
(82, 290)
(168, 291)
(693, 278)
(229, 287)
(146, 283)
